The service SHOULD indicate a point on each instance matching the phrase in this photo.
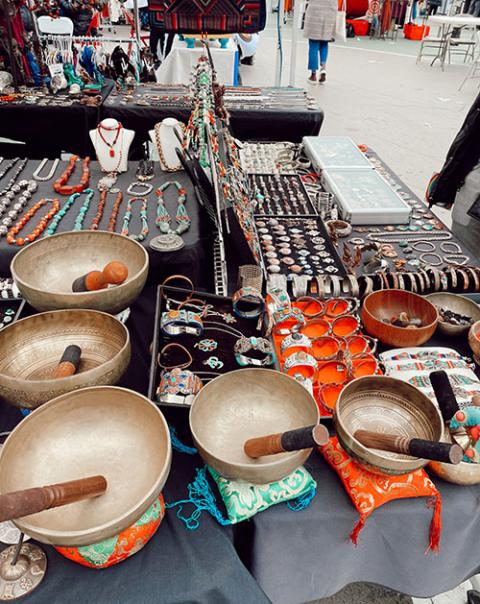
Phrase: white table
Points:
(178, 65)
(447, 23)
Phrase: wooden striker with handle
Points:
(30, 501)
(293, 440)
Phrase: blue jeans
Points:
(316, 49)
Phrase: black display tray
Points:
(262, 210)
(226, 342)
(320, 226)
(17, 304)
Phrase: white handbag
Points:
(341, 24)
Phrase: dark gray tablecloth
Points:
(193, 260)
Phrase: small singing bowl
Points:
(45, 270)
(389, 406)
(244, 404)
(380, 307)
(30, 350)
(458, 304)
(474, 341)
(107, 431)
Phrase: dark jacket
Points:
(462, 157)
(81, 15)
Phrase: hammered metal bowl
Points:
(30, 350)
(464, 474)
(390, 406)
(458, 304)
(244, 404)
(45, 270)
(104, 430)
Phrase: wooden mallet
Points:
(293, 440)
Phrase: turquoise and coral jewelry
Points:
(178, 386)
(163, 217)
(143, 217)
(206, 345)
(38, 230)
(176, 322)
(82, 212)
(244, 345)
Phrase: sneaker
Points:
(323, 76)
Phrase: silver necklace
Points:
(409, 236)
(36, 176)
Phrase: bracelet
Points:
(310, 301)
(354, 288)
(421, 284)
(287, 320)
(329, 345)
(295, 340)
(412, 282)
(475, 278)
(430, 246)
(394, 280)
(176, 322)
(301, 359)
(456, 259)
(248, 303)
(322, 285)
(466, 280)
(426, 279)
(340, 228)
(436, 279)
(335, 286)
(177, 365)
(147, 188)
(244, 345)
(453, 277)
(175, 278)
(438, 259)
(453, 245)
(300, 285)
(178, 386)
(401, 282)
(368, 286)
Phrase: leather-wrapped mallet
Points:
(292, 440)
(416, 447)
(70, 361)
(447, 402)
(31, 501)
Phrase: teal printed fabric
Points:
(243, 500)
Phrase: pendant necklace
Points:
(46, 178)
(170, 240)
(111, 146)
(143, 217)
(106, 182)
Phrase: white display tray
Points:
(327, 152)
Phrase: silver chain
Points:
(408, 236)
(36, 176)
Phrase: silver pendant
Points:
(107, 182)
(167, 243)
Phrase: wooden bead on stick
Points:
(92, 281)
(115, 272)
(69, 362)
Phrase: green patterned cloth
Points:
(243, 500)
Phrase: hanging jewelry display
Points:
(26, 188)
(112, 223)
(36, 174)
(60, 185)
(143, 217)
(38, 230)
(158, 143)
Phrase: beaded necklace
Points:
(60, 185)
(113, 216)
(47, 177)
(158, 143)
(98, 217)
(143, 216)
(163, 217)
(38, 230)
(9, 166)
(26, 188)
(83, 209)
(9, 185)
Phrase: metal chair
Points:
(439, 43)
(463, 46)
(61, 25)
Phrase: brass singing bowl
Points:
(245, 404)
(459, 304)
(45, 270)
(464, 473)
(389, 406)
(104, 430)
(30, 350)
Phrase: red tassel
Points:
(436, 524)
(356, 530)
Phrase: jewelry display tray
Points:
(16, 304)
(223, 352)
(260, 209)
(323, 233)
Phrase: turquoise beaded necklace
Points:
(66, 207)
(143, 216)
(163, 217)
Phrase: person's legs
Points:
(323, 59)
(313, 54)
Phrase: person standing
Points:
(320, 21)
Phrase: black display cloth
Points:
(48, 131)
(193, 260)
(290, 124)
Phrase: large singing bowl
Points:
(104, 430)
(244, 404)
(389, 406)
(30, 350)
(45, 270)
